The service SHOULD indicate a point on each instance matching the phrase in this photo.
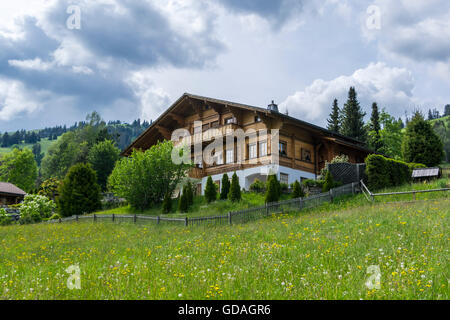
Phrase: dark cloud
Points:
(115, 40)
(276, 11)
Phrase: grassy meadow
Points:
(45, 144)
(321, 253)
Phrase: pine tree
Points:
(430, 115)
(374, 129)
(334, 122)
(353, 118)
(235, 189)
(225, 187)
(210, 190)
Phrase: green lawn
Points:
(200, 207)
(45, 144)
(316, 254)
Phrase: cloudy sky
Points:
(129, 58)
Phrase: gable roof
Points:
(339, 137)
(10, 189)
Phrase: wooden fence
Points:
(230, 218)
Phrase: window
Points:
(257, 119)
(284, 178)
(263, 148)
(218, 158)
(215, 124)
(283, 148)
(252, 151)
(230, 156)
(230, 120)
(306, 155)
(205, 127)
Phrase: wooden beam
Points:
(164, 132)
(179, 119)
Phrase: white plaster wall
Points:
(247, 176)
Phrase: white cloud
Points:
(391, 88)
(35, 64)
(14, 100)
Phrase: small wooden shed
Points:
(10, 194)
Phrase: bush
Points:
(189, 193)
(210, 190)
(329, 182)
(225, 187)
(79, 192)
(297, 190)
(144, 178)
(183, 205)
(36, 208)
(273, 191)
(235, 189)
(384, 172)
(49, 188)
(284, 187)
(4, 218)
(257, 186)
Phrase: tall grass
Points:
(320, 254)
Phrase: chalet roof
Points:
(425, 172)
(336, 136)
(10, 189)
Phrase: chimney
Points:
(273, 107)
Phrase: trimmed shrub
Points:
(328, 182)
(257, 186)
(210, 190)
(297, 190)
(235, 190)
(225, 187)
(167, 203)
(384, 172)
(189, 193)
(79, 193)
(273, 189)
(183, 202)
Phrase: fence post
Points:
(60, 220)
(300, 204)
(135, 218)
(157, 220)
(76, 217)
(229, 218)
(186, 221)
(331, 195)
(414, 196)
(353, 188)
(113, 217)
(95, 217)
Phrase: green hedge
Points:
(384, 172)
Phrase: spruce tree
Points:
(374, 129)
(167, 203)
(353, 118)
(183, 203)
(272, 189)
(189, 193)
(210, 190)
(297, 191)
(225, 187)
(420, 143)
(235, 189)
(334, 122)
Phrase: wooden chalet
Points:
(303, 147)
